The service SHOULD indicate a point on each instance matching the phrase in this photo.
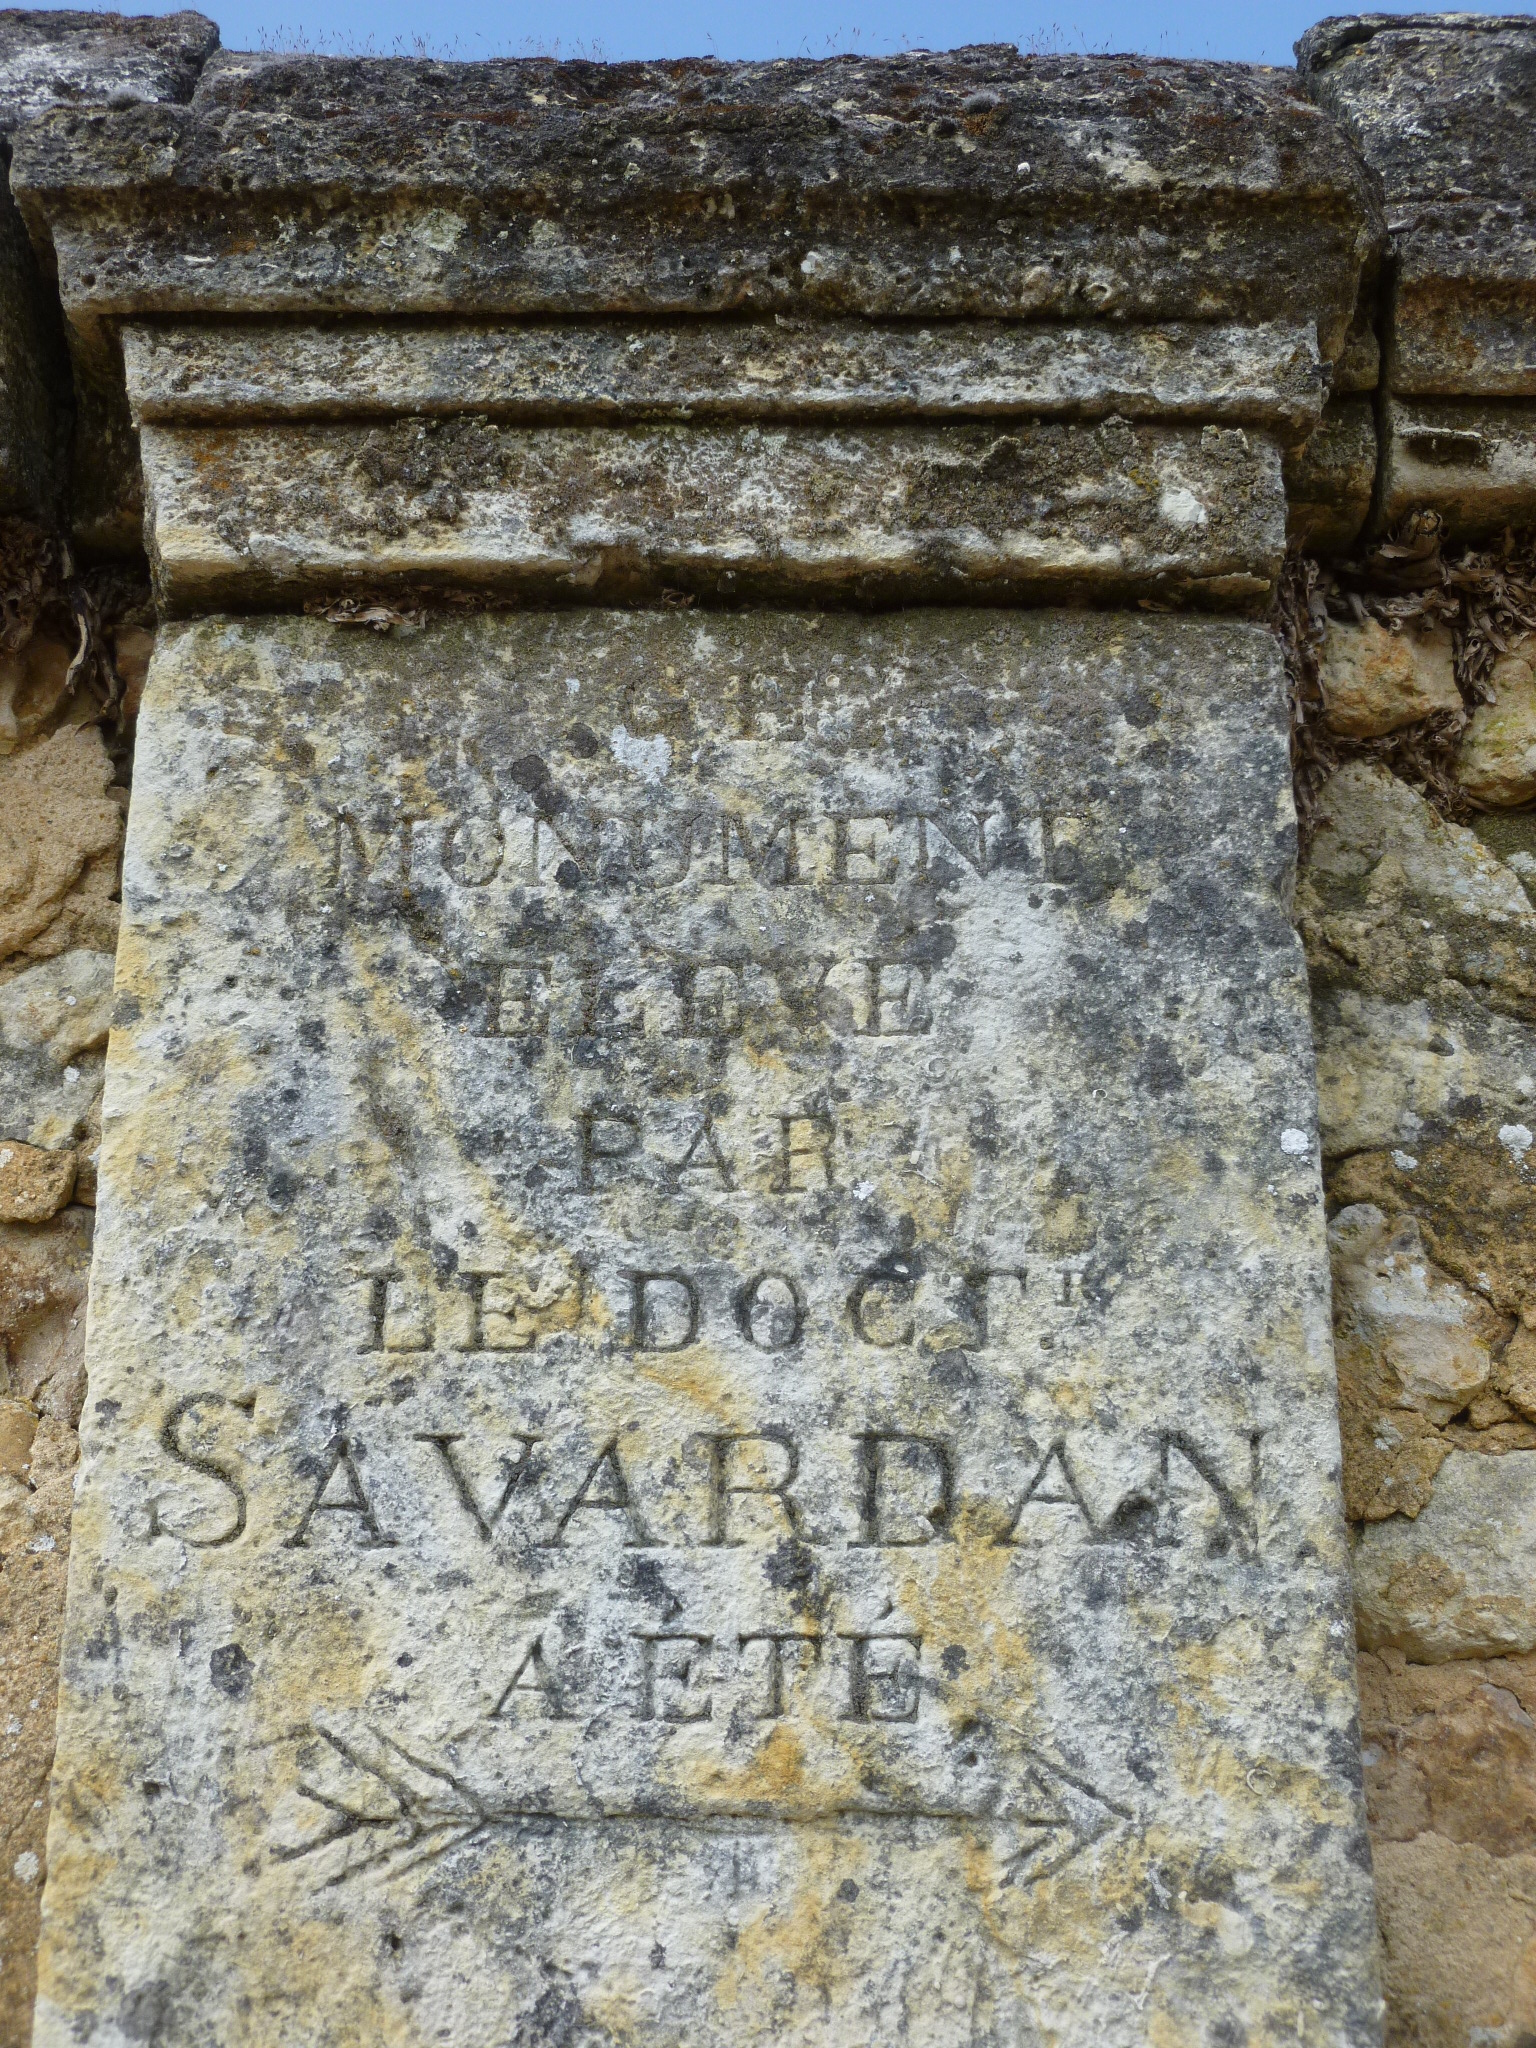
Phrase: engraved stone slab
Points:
(1112, 508)
(711, 1407)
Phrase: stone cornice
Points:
(978, 184)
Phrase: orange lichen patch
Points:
(1207, 1687)
(776, 1775)
(290, 1979)
(705, 1380)
(801, 1938)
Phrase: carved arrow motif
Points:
(408, 1811)
(402, 1808)
(1053, 1817)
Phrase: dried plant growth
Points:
(44, 589)
(1486, 596)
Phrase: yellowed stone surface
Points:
(1113, 508)
(1497, 762)
(1375, 681)
(1269, 375)
(1450, 1772)
(711, 1415)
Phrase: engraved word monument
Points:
(711, 1411)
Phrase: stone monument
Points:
(711, 1415)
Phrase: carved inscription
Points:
(583, 845)
(597, 944)
(938, 1302)
(520, 904)
(560, 996)
(879, 1489)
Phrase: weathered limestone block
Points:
(1399, 907)
(1497, 760)
(1450, 1772)
(1440, 107)
(1375, 680)
(1435, 1336)
(1090, 478)
(1459, 1754)
(67, 59)
(34, 1183)
(1212, 204)
(1426, 1072)
(710, 1344)
(1457, 1580)
(1422, 946)
(37, 1461)
(1416, 1350)
(799, 1245)
(1474, 463)
(44, 1269)
(53, 1017)
(1330, 476)
(247, 515)
(60, 832)
(1267, 376)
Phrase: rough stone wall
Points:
(75, 654)
(1421, 941)
(76, 632)
(63, 829)
(1417, 911)
(1417, 770)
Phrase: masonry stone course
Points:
(785, 368)
(70, 58)
(1330, 478)
(1111, 509)
(67, 57)
(1438, 104)
(719, 1105)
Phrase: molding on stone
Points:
(540, 373)
(1113, 512)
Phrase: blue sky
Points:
(1261, 32)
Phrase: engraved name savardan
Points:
(874, 1489)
